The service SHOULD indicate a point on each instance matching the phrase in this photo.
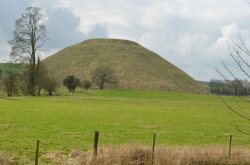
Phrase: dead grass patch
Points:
(140, 155)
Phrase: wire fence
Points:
(152, 153)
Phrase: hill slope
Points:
(134, 65)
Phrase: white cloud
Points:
(229, 33)
(191, 34)
(4, 48)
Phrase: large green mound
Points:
(134, 65)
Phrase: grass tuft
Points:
(4, 160)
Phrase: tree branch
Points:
(233, 110)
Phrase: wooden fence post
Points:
(37, 152)
(153, 149)
(230, 144)
(95, 148)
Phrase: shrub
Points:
(86, 84)
(71, 82)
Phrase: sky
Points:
(191, 34)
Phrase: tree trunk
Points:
(102, 85)
(39, 91)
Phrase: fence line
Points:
(153, 152)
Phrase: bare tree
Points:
(29, 37)
(103, 76)
(240, 55)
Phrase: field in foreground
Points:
(66, 123)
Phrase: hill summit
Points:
(134, 65)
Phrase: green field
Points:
(68, 122)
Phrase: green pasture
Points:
(67, 122)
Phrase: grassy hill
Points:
(134, 65)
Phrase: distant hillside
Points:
(205, 84)
(134, 65)
(13, 67)
(3, 66)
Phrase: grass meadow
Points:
(67, 122)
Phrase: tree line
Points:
(13, 80)
(230, 87)
(14, 83)
(102, 77)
